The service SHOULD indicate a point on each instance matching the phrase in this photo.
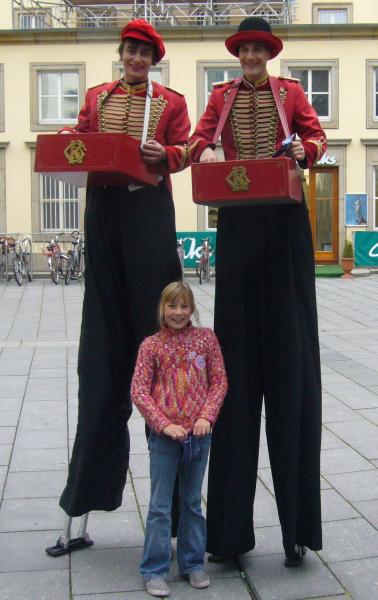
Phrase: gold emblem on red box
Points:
(237, 179)
(75, 152)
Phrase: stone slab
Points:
(31, 515)
(343, 460)
(274, 582)
(357, 486)
(35, 484)
(35, 585)
(348, 540)
(25, 551)
(39, 459)
(359, 577)
(7, 434)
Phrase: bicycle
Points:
(5, 245)
(204, 269)
(55, 258)
(75, 258)
(180, 253)
(22, 258)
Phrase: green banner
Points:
(366, 249)
(192, 242)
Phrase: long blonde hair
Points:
(171, 292)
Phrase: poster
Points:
(356, 210)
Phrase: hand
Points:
(153, 152)
(208, 155)
(297, 150)
(201, 427)
(176, 432)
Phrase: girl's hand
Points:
(201, 427)
(176, 432)
(153, 152)
(208, 155)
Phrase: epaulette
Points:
(290, 79)
(98, 85)
(171, 90)
(219, 83)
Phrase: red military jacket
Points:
(119, 107)
(253, 129)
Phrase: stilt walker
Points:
(265, 310)
(130, 239)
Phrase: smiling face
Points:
(137, 58)
(253, 58)
(177, 313)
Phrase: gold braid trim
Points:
(157, 108)
(319, 146)
(186, 153)
(100, 109)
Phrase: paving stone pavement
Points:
(39, 331)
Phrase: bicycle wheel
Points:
(17, 270)
(28, 261)
(68, 271)
(55, 268)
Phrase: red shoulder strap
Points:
(275, 87)
(226, 109)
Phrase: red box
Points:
(243, 182)
(91, 159)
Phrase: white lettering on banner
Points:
(371, 251)
(326, 159)
(193, 252)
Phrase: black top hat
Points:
(254, 29)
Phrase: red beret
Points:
(142, 31)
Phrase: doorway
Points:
(323, 204)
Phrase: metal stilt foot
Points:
(65, 544)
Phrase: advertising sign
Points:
(192, 242)
(366, 248)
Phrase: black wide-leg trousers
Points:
(266, 322)
(130, 256)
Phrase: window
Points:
(214, 75)
(60, 205)
(319, 80)
(331, 14)
(2, 97)
(372, 93)
(57, 93)
(159, 72)
(372, 180)
(32, 21)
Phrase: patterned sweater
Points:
(179, 377)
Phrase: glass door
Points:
(324, 213)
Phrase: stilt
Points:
(65, 544)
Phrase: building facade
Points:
(50, 52)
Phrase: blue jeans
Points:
(165, 464)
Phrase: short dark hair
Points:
(137, 43)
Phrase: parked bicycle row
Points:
(205, 264)
(65, 265)
(16, 257)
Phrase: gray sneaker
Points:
(157, 586)
(199, 579)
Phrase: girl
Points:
(178, 385)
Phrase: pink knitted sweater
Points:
(179, 377)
